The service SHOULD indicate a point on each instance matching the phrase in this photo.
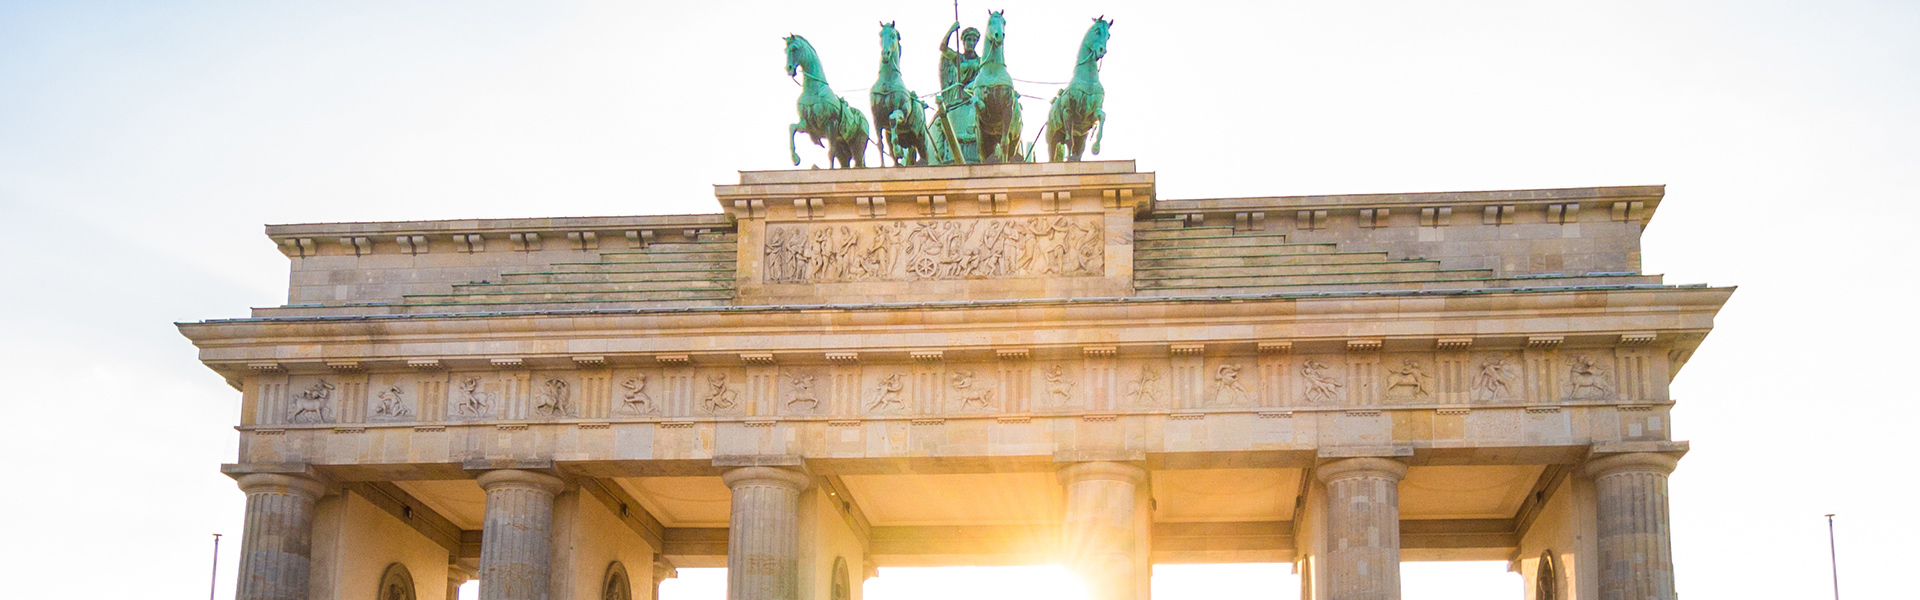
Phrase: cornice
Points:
(1676, 316)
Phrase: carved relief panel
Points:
(1146, 385)
(639, 393)
(555, 395)
(805, 391)
(1408, 379)
(1496, 377)
(1229, 383)
(934, 250)
(475, 396)
(1058, 387)
(1323, 380)
(1588, 376)
(312, 400)
(393, 398)
(886, 390)
(720, 392)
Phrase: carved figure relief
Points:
(1059, 385)
(1323, 385)
(800, 391)
(720, 396)
(1587, 379)
(926, 250)
(1409, 382)
(469, 400)
(554, 398)
(887, 395)
(1146, 389)
(972, 392)
(1226, 387)
(635, 399)
(393, 404)
(1496, 379)
(310, 405)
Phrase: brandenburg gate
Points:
(964, 365)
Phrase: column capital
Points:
(281, 483)
(1632, 462)
(515, 478)
(1103, 471)
(1351, 468)
(663, 570)
(765, 476)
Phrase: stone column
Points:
(276, 549)
(1636, 550)
(1363, 527)
(516, 546)
(1098, 531)
(763, 546)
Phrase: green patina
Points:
(899, 117)
(1077, 108)
(824, 114)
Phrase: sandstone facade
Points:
(1005, 364)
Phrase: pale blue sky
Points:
(142, 146)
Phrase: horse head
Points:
(996, 27)
(1093, 47)
(799, 53)
(889, 44)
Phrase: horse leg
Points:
(1101, 130)
(792, 131)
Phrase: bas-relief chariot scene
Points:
(880, 390)
(1064, 246)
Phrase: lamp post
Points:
(1834, 556)
(215, 585)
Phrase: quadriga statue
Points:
(1076, 109)
(824, 114)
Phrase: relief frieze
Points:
(1588, 379)
(1496, 379)
(1408, 382)
(934, 250)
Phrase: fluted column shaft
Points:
(1636, 548)
(276, 550)
(763, 546)
(1363, 527)
(1097, 534)
(516, 545)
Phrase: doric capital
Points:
(1103, 471)
(1632, 462)
(663, 569)
(281, 483)
(1353, 468)
(765, 476)
(514, 478)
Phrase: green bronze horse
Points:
(1076, 109)
(996, 106)
(824, 114)
(899, 117)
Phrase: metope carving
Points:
(800, 391)
(634, 399)
(972, 392)
(555, 399)
(393, 405)
(1587, 379)
(1409, 382)
(469, 401)
(888, 394)
(1059, 385)
(934, 250)
(1226, 389)
(720, 395)
(1146, 390)
(1496, 379)
(310, 405)
(1322, 384)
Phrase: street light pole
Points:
(215, 585)
(1833, 555)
